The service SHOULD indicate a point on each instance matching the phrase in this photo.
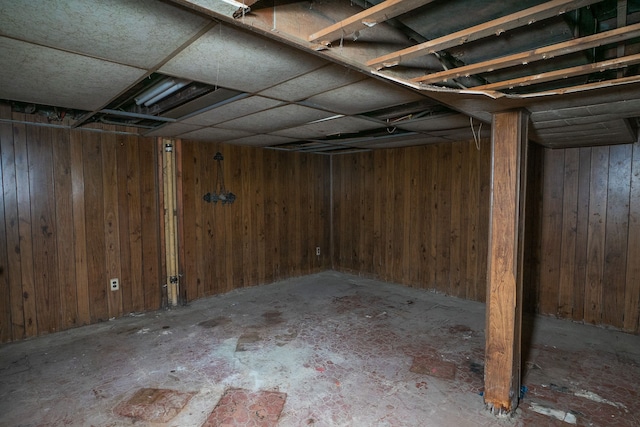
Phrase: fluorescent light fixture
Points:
(154, 90)
(175, 87)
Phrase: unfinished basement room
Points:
(354, 213)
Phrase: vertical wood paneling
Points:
(13, 267)
(5, 285)
(582, 233)
(111, 224)
(64, 220)
(632, 289)
(617, 231)
(413, 228)
(569, 229)
(551, 230)
(596, 237)
(24, 244)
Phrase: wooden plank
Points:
(13, 271)
(443, 218)
(565, 73)
(504, 285)
(79, 226)
(582, 233)
(596, 236)
(455, 258)
(133, 240)
(431, 222)
(180, 248)
(564, 48)
(417, 213)
(111, 223)
(324, 202)
(472, 198)
(152, 277)
(64, 220)
(400, 240)
(405, 260)
(43, 229)
(491, 28)
(258, 210)
(366, 234)
(632, 289)
(389, 216)
(245, 201)
(367, 18)
(552, 196)
(354, 183)
(379, 219)
(125, 255)
(94, 211)
(21, 159)
(484, 216)
(617, 233)
(6, 328)
(238, 273)
(568, 232)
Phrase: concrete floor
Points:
(324, 350)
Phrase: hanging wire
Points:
(476, 138)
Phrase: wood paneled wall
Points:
(78, 208)
(587, 237)
(417, 216)
(271, 231)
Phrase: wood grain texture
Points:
(632, 289)
(407, 221)
(504, 281)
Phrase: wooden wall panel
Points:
(589, 235)
(71, 218)
(425, 216)
(268, 233)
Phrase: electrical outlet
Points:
(114, 284)
(318, 250)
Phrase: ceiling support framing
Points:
(367, 18)
(505, 262)
(495, 27)
(523, 58)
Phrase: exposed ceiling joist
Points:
(611, 64)
(367, 18)
(495, 27)
(523, 58)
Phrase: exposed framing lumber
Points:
(610, 64)
(505, 261)
(523, 58)
(367, 18)
(495, 27)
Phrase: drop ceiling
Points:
(328, 76)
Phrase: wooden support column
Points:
(505, 260)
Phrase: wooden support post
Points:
(505, 260)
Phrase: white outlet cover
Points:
(114, 284)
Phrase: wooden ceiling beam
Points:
(367, 18)
(579, 70)
(495, 27)
(546, 52)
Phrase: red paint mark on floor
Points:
(154, 405)
(433, 366)
(238, 407)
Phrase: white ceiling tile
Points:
(363, 96)
(215, 134)
(313, 83)
(228, 57)
(233, 110)
(342, 125)
(261, 140)
(141, 33)
(277, 118)
(42, 75)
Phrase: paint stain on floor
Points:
(239, 407)
(154, 405)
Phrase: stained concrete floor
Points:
(323, 350)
